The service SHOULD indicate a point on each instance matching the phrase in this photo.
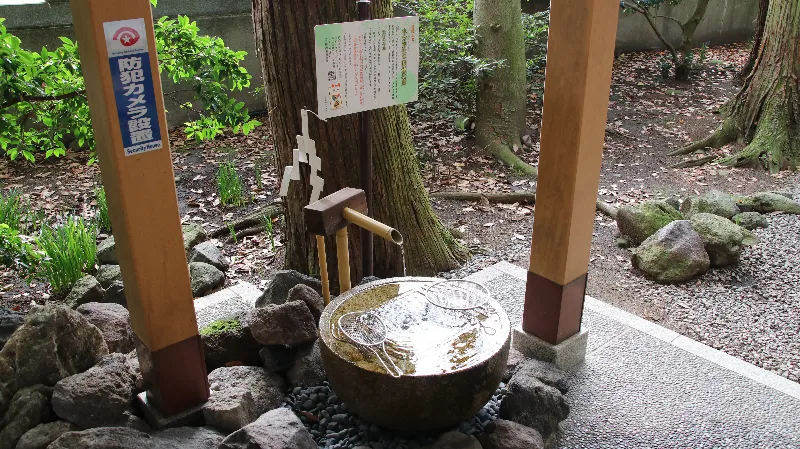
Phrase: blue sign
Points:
(132, 79)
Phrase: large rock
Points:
(674, 254)
(230, 345)
(55, 342)
(42, 435)
(10, 321)
(207, 252)
(282, 281)
(107, 274)
(115, 293)
(277, 429)
(191, 437)
(712, 202)
(454, 440)
(132, 360)
(109, 438)
(29, 408)
(205, 278)
(638, 223)
(307, 370)
(277, 358)
(766, 202)
(105, 252)
(532, 403)
(86, 290)
(547, 373)
(723, 239)
(113, 322)
(308, 295)
(240, 394)
(503, 434)
(97, 397)
(750, 220)
(288, 324)
(193, 235)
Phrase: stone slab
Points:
(225, 303)
(191, 417)
(645, 386)
(566, 355)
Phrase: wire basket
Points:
(457, 294)
(368, 330)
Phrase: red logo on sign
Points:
(127, 36)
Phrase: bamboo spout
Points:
(371, 225)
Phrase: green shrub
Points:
(220, 326)
(231, 191)
(70, 250)
(15, 252)
(102, 218)
(11, 210)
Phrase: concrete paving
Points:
(645, 386)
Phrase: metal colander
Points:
(368, 330)
(456, 294)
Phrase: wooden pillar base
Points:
(553, 312)
(174, 376)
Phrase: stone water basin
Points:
(451, 363)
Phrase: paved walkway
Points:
(644, 386)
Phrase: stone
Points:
(244, 393)
(29, 408)
(504, 434)
(750, 220)
(712, 202)
(307, 370)
(86, 290)
(193, 235)
(96, 397)
(532, 403)
(230, 345)
(722, 238)
(623, 242)
(288, 324)
(308, 295)
(673, 201)
(115, 293)
(191, 437)
(454, 440)
(277, 429)
(207, 252)
(205, 278)
(192, 416)
(368, 279)
(42, 435)
(132, 360)
(54, 342)
(109, 438)
(672, 255)
(565, 355)
(107, 274)
(767, 202)
(514, 359)
(548, 373)
(10, 321)
(277, 358)
(131, 420)
(638, 223)
(105, 252)
(113, 320)
(281, 282)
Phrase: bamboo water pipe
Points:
(372, 225)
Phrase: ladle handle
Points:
(392, 373)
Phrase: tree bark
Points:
(763, 6)
(501, 102)
(766, 111)
(284, 34)
(687, 40)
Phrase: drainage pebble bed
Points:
(332, 425)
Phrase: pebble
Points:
(338, 429)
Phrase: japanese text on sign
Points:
(131, 75)
(366, 65)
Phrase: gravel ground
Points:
(333, 426)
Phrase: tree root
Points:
(245, 233)
(508, 198)
(606, 209)
(725, 134)
(252, 219)
(504, 154)
(695, 162)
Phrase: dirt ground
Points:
(648, 117)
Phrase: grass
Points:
(70, 251)
(102, 219)
(231, 192)
(219, 327)
(267, 219)
(259, 180)
(11, 209)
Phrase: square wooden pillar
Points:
(580, 52)
(120, 68)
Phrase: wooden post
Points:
(580, 53)
(343, 256)
(323, 269)
(120, 67)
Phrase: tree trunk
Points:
(688, 28)
(763, 6)
(284, 34)
(767, 108)
(501, 102)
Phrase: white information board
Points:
(366, 65)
